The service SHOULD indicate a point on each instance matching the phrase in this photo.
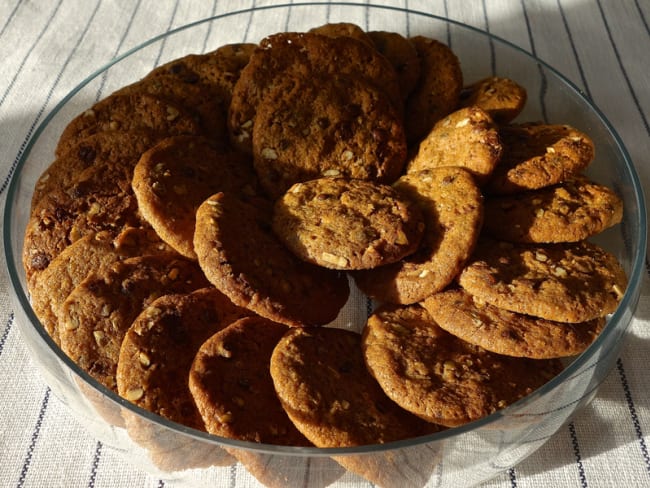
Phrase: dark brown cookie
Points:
(537, 155)
(452, 206)
(572, 283)
(402, 55)
(569, 212)
(324, 386)
(502, 98)
(509, 333)
(243, 258)
(175, 176)
(347, 224)
(439, 377)
(343, 29)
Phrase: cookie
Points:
(439, 377)
(135, 111)
(452, 208)
(573, 282)
(536, 155)
(569, 212)
(300, 54)
(99, 311)
(508, 333)
(467, 138)
(347, 224)
(323, 384)
(93, 251)
(438, 90)
(402, 55)
(330, 125)
(343, 29)
(502, 98)
(175, 176)
(242, 257)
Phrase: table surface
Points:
(48, 47)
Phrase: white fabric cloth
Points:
(48, 47)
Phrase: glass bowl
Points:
(464, 455)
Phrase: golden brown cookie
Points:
(537, 155)
(467, 138)
(452, 206)
(402, 55)
(243, 258)
(508, 333)
(438, 90)
(568, 212)
(439, 377)
(327, 125)
(175, 176)
(573, 282)
(100, 310)
(347, 224)
(321, 379)
(502, 98)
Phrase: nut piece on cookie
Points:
(500, 97)
(347, 224)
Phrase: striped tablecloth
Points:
(47, 47)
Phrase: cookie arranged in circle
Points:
(231, 384)
(573, 282)
(452, 208)
(402, 55)
(438, 90)
(323, 384)
(508, 333)
(569, 212)
(240, 254)
(175, 176)
(342, 29)
(99, 311)
(327, 125)
(502, 98)
(439, 377)
(536, 155)
(467, 138)
(347, 224)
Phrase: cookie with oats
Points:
(291, 54)
(343, 29)
(508, 333)
(536, 155)
(439, 377)
(502, 98)
(573, 282)
(438, 90)
(240, 254)
(467, 138)
(175, 176)
(99, 311)
(326, 125)
(402, 55)
(232, 386)
(452, 208)
(347, 224)
(569, 212)
(323, 384)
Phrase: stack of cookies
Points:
(199, 229)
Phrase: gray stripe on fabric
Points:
(565, 22)
(163, 43)
(486, 20)
(533, 50)
(633, 414)
(94, 465)
(10, 18)
(578, 457)
(5, 334)
(35, 435)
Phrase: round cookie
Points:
(323, 384)
(508, 333)
(439, 377)
(175, 176)
(569, 212)
(242, 257)
(573, 282)
(438, 90)
(467, 138)
(347, 224)
(232, 386)
(100, 310)
(452, 206)
(343, 29)
(537, 155)
(330, 125)
(500, 97)
(402, 55)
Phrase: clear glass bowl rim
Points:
(628, 300)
